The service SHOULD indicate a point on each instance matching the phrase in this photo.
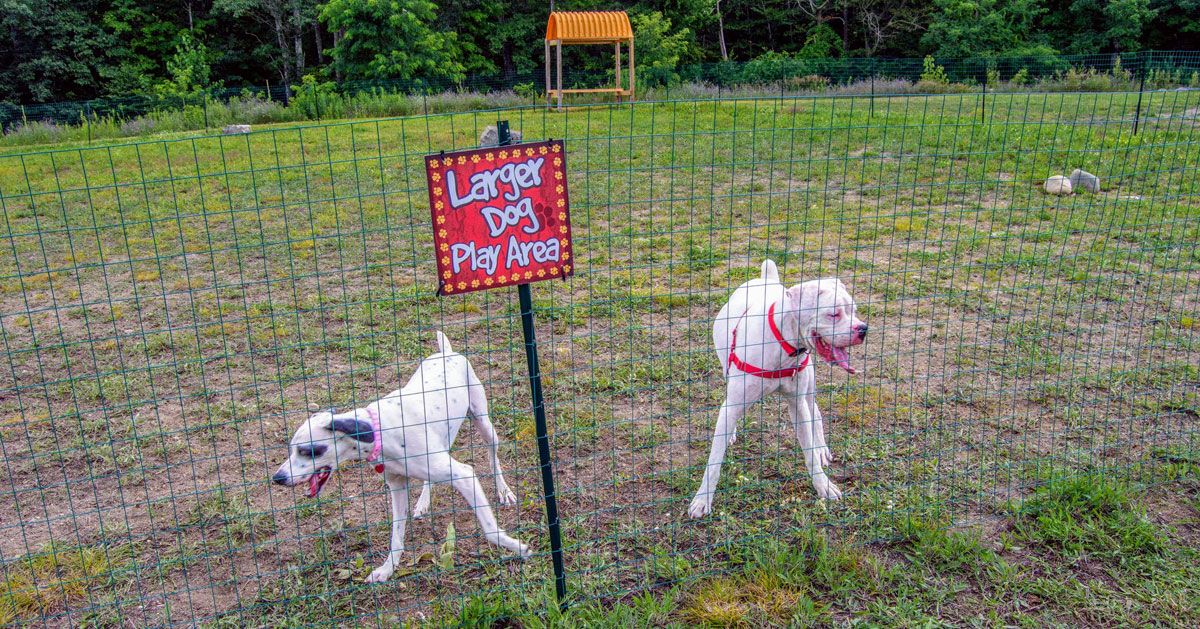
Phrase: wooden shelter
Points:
(588, 27)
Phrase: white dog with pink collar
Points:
(408, 434)
(763, 337)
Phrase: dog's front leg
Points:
(820, 449)
(802, 420)
(398, 486)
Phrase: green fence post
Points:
(88, 107)
(539, 417)
(1137, 115)
(204, 104)
(983, 98)
(871, 108)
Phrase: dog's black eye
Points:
(311, 451)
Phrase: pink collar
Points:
(378, 439)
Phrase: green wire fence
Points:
(171, 310)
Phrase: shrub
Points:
(137, 126)
(809, 83)
(933, 73)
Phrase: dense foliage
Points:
(76, 49)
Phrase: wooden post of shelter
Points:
(588, 27)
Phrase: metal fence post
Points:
(204, 104)
(983, 99)
(88, 106)
(871, 107)
(1137, 116)
(539, 417)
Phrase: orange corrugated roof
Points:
(588, 26)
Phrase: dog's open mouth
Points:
(317, 481)
(836, 355)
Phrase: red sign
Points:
(500, 216)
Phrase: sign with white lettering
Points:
(500, 216)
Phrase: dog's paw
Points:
(701, 506)
(506, 496)
(421, 509)
(524, 551)
(381, 574)
(731, 438)
(823, 455)
(826, 489)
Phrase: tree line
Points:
(81, 49)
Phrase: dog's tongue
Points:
(316, 482)
(842, 358)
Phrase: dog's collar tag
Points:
(378, 440)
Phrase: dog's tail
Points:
(444, 343)
(770, 272)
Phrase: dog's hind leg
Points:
(422, 507)
(464, 480)
(731, 412)
(483, 424)
(399, 495)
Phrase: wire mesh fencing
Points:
(173, 310)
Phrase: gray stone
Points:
(1058, 185)
(1083, 180)
(236, 128)
(491, 136)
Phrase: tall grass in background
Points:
(321, 101)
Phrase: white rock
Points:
(491, 136)
(1058, 185)
(1083, 180)
(236, 128)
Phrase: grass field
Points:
(171, 309)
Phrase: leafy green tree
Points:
(188, 69)
(53, 49)
(1176, 25)
(1095, 26)
(289, 21)
(385, 40)
(889, 24)
(821, 43)
(755, 27)
(658, 50)
(986, 28)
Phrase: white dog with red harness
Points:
(763, 337)
(408, 434)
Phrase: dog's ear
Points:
(803, 299)
(356, 429)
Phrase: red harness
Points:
(791, 350)
(378, 439)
